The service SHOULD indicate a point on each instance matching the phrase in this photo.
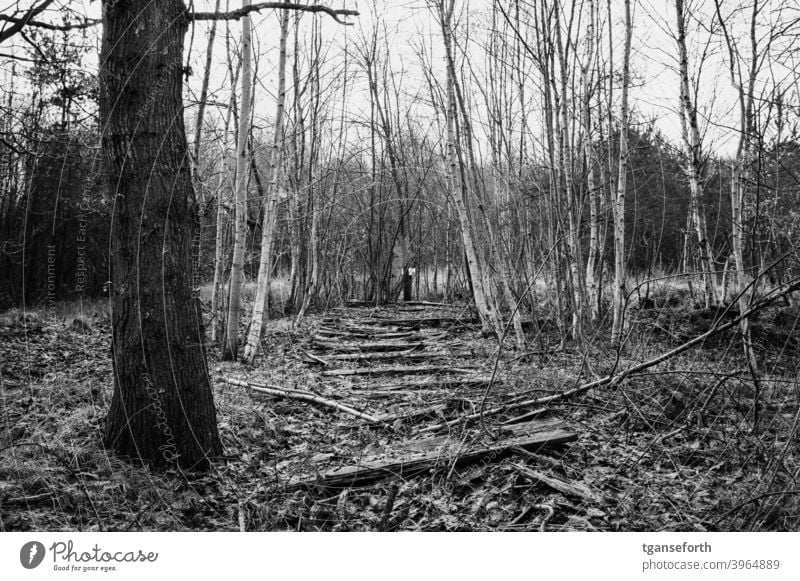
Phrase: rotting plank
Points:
(365, 346)
(446, 452)
(397, 369)
(439, 383)
(355, 335)
(408, 355)
(423, 322)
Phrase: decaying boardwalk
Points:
(411, 369)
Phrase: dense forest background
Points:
(362, 169)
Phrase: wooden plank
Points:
(397, 369)
(343, 347)
(445, 452)
(356, 334)
(437, 383)
(408, 355)
(423, 322)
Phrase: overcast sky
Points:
(410, 24)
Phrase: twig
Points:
(242, 525)
(387, 510)
(739, 507)
(313, 357)
(550, 513)
(300, 395)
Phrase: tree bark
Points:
(162, 411)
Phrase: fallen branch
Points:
(300, 395)
(567, 488)
(314, 358)
(618, 378)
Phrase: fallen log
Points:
(444, 452)
(300, 395)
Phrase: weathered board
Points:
(419, 456)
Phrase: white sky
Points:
(410, 23)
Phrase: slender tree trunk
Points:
(162, 410)
(201, 109)
(261, 303)
(589, 156)
(690, 134)
(487, 316)
(619, 201)
(231, 347)
(223, 185)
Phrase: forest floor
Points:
(461, 442)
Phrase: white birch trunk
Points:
(261, 302)
(619, 199)
(231, 347)
(690, 133)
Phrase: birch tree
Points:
(695, 162)
(230, 349)
(261, 303)
(456, 182)
(620, 273)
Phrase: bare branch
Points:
(335, 13)
(19, 22)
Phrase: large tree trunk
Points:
(230, 349)
(162, 410)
